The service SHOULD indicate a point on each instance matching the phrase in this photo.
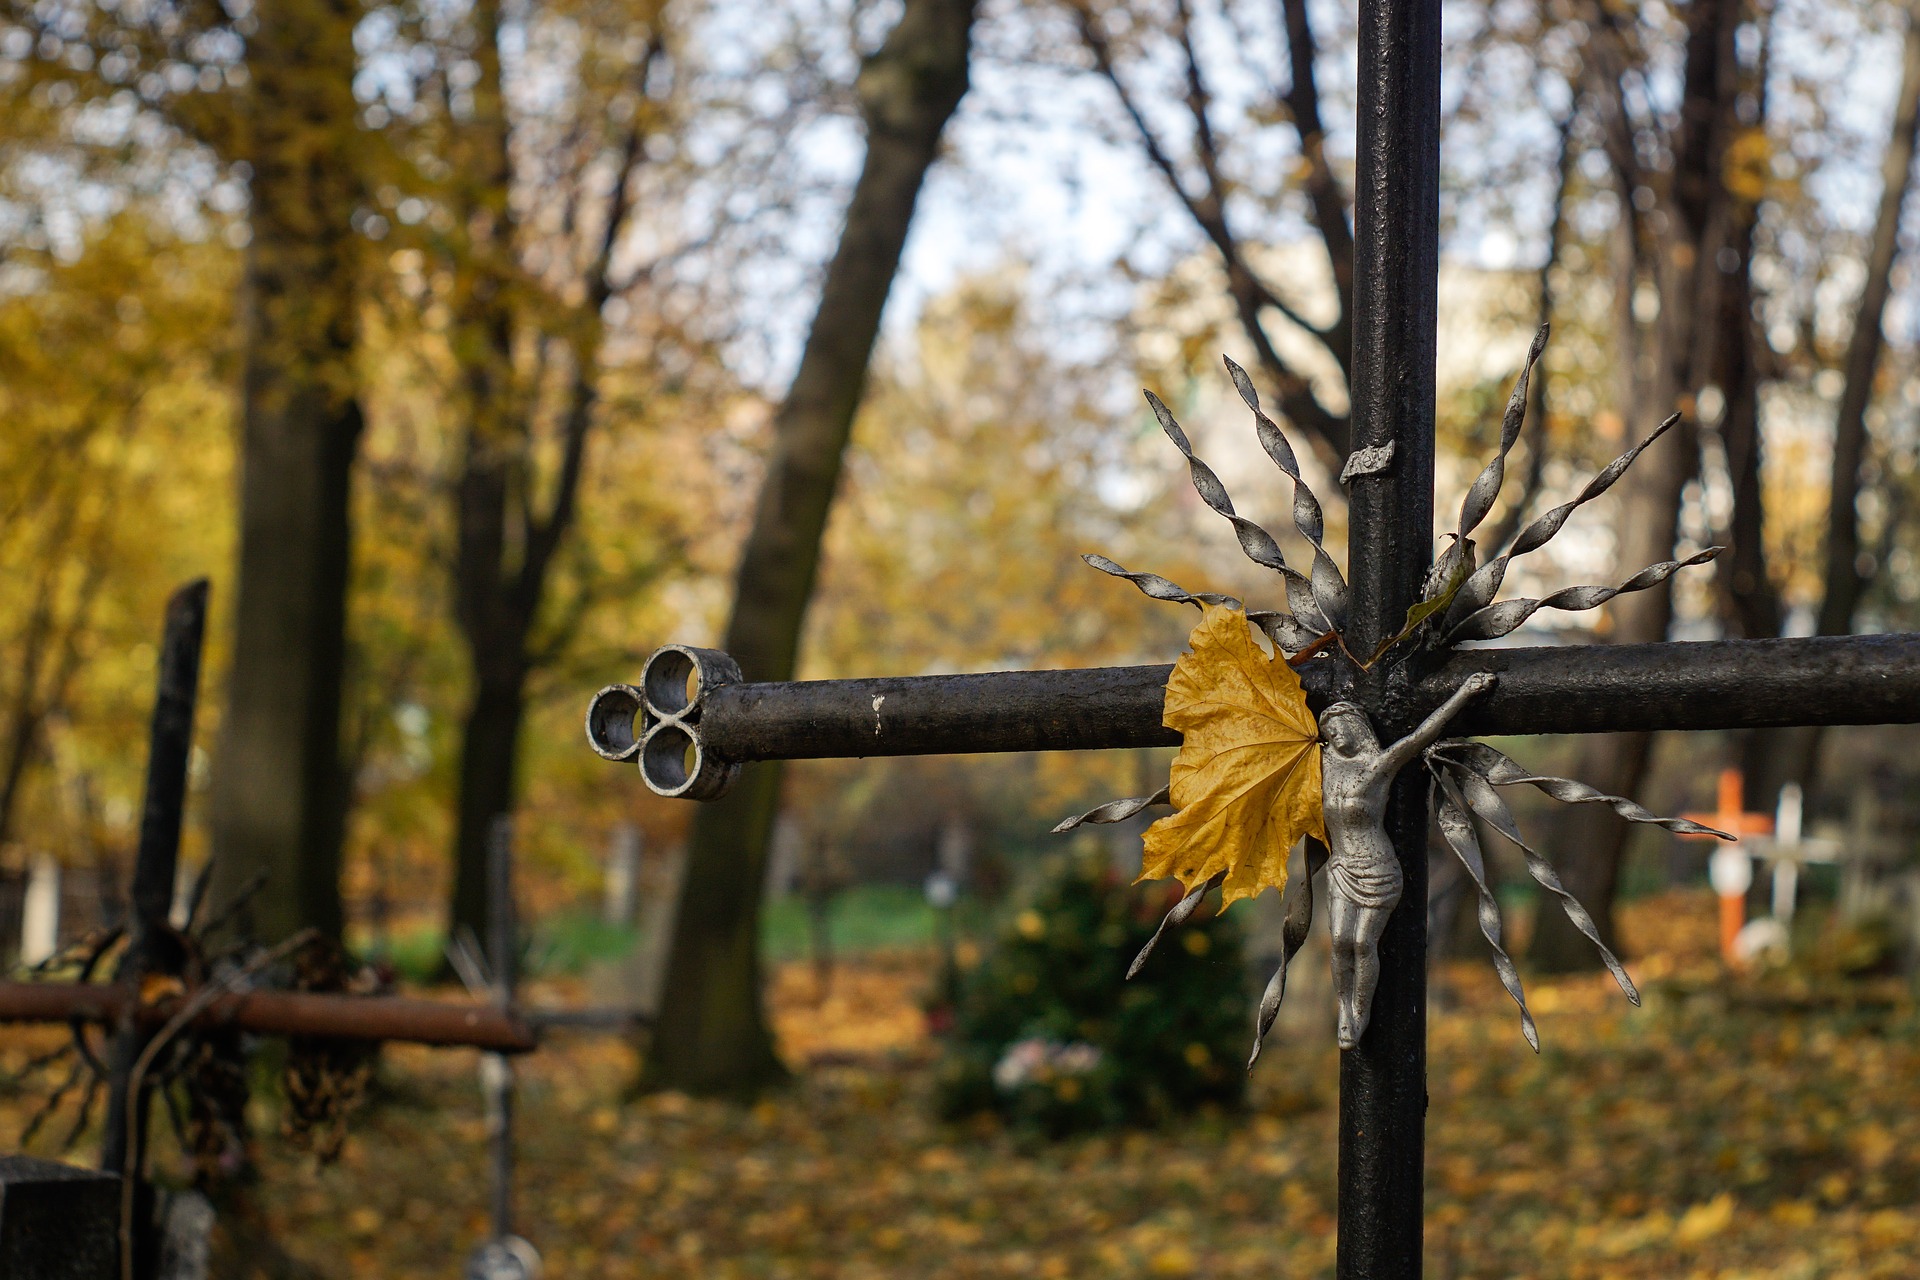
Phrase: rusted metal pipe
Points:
(286, 1013)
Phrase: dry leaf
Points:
(1246, 783)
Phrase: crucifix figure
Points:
(1364, 883)
(1383, 637)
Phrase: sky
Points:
(1042, 169)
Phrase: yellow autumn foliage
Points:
(1246, 784)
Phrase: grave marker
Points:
(1729, 868)
(57, 1221)
(142, 1022)
(40, 910)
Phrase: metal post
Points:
(498, 1068)
(1396, 274)
(150, 946)
(503, 1255)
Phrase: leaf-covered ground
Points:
(1732, 1128)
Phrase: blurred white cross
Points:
(1787, 849)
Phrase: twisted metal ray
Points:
(1450, 814)
(1182, 911)
(1115, 810)
(1481, 586)
(1282, 628)
(1157, 587)
(1497, 620)
(1485, 802)
(1503, 771)
(1296, 905)
(1329, 588)
(1256, 542)
(1486, 486)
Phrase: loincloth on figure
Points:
(1366, 882)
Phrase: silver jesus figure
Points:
(1364, 880)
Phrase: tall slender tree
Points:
(528, 329)
(279, 800)
(711, 1034)
(270, 89)
(1770, 758)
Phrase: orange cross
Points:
(1729, 817)
(1735, 821)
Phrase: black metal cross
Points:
(693, 720)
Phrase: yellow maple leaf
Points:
(1246, 784)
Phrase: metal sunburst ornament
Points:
(1257, 771)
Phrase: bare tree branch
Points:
(1502, 531)
(1250, 295)
(1329, 202)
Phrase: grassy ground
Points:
(1731, 1128)
(861, 919)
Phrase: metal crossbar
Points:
(1724, 684)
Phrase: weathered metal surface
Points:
(915, 715)
(1721, 684)
(1396, 234)
(57, 1221)
(294, 1013)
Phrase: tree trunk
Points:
(711, 1036)
(279, 798)
(1846, 577)
(489, 775)
(506, 542)
(1751, 601)
(493, 614)
(1689, 276)
(1773, 757)
(1752, 606)
(1845, 580)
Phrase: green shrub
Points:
(1050, 1035)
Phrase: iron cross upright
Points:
(694, 720)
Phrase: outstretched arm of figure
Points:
(1401, 753)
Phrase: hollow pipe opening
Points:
(616, 722)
